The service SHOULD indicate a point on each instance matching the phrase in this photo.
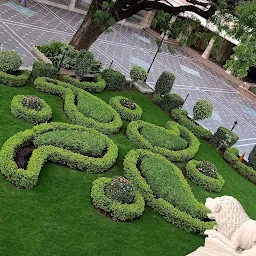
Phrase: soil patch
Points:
(23, 155)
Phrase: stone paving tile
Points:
(22, 27)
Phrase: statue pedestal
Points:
(214, 247)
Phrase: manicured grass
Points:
(57, 218)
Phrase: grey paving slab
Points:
(22, 27)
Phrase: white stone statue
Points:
(234, 233)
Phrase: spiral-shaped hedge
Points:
(78, 147)
(125, 113)
(176, 142)
(30, 115)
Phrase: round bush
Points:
(31, 109)
(10, 61)
(121, 190)
(138, 73)
(42, 69)
(118, 211)
(115, 80)
(126, 113)
(202, 109)
(252, 158)
(170, 102)
(84, 61)
(164, 83)
(213, 183)
(207, 168)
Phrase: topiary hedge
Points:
(81, 107)
(206, 182)
(125, 112)
(181, 116)
(176, 142)
(115, 80)
(170, 101)
(14, 80)
(223, 138)
(30, 115)
(52, 145)
(231, 155)
(118, 211)
(42, 69)
(252, 158)
(164, 83)
(10, 61)
(165, 190)
(91, 87)
(202, 109)
(138, 73)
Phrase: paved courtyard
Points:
(22, 27)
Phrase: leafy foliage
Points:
(138, 73)
(119, 211)
(42, 69)
(84, 62)
(31, 108)
(202, 109)
(115, 80)
(10, 61)
(171, 101)
(14, 80)
(164, 83)
(121, 190)
(252, 158)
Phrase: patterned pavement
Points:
(22, 27)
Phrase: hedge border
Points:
(231, 155)
(30, 115)
(184, 155)
(206, 182)
(68, 92)
(125, 113)
(181, 116)
(14, 81)
(28, 178)
(91, 87)
(167, 210)
(117, 210)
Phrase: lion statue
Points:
(234, 227)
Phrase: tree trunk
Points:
(86, 35)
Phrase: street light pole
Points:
(234, 125)
(159, 47)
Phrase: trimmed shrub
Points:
(231, 155)
(10, 61)
(252, 158)
(223, 138)
(181, 116)
(118, 211)
(156, 98)
(57, 152)
(138, 73)
(28, 112)
(253, 89)
(212, 184)
(14, 80)
(171, 101)
(170, 146)
(84, 61)
(125, 113)
(202, 110)
(90, 111)
(164, 83)
(42, 69)
(121, 190)
(159, 188)
(91, 87)
(207, 168)
(115, 80)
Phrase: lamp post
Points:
(234, 125)
(158, 48)
(160, 44)
(62, 59)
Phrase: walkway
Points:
(21, 28)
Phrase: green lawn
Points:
(57, 218)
